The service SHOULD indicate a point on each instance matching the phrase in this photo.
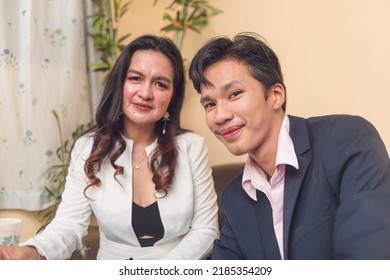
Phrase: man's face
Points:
(236, 109)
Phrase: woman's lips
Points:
(142, 107)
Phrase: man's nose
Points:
(223, 113)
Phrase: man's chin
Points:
(233, 147)
(235, 150)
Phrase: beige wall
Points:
(335, 55)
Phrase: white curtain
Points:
(43, 67)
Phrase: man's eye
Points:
(209, 105)
(235, 93)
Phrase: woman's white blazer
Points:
(188, 212)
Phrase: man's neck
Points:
(265, 155)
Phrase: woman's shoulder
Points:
(84, 143)
(191, 144)
(189, 137)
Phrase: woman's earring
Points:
(165, 119)
(119, 117)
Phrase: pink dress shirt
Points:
(254, 178)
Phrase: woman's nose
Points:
(145, 91)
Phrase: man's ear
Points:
(277, 95)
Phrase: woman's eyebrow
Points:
(164, 78)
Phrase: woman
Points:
(146, 180)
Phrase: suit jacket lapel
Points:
(263, 212)
(299, 133)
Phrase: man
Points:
(316, 188)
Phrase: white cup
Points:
(10, 230)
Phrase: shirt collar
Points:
(286, 152)
(254, 177)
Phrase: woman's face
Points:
(147, 90)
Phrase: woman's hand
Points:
(19, 253)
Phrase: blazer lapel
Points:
(263, 212)
(125, 160)
(293, 181)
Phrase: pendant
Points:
(137, 163)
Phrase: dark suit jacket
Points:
(336, 206)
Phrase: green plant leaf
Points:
(97, 24)
(100, 66)
(55, 114)
(169, 28)
(123, 38)
(124, 9)
(167, 16)
(213, 9)
(194, 29)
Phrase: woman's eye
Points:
(134, 78)
(162, 85)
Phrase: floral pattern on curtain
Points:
(43, 67)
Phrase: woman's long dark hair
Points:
(108, 142)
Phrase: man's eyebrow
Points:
(225, 87)
(229, 85)
(204, 99)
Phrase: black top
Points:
(147, 221)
